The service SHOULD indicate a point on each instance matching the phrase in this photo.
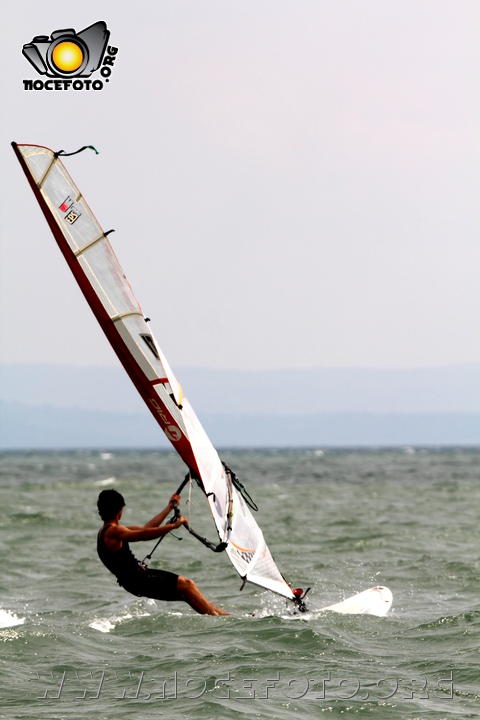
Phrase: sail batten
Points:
(94, 264)
(89, 245)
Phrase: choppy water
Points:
(74, 645)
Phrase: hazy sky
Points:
(292, 184)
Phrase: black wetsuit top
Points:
(133, 575)
(122, 563)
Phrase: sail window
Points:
(149, 341)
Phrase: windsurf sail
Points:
(89, 254)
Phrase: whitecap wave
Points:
(107, 481)
(9, 619)
(105, 625)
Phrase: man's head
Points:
(109, 503)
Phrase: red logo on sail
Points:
(66, 204)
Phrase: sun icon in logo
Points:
(67, 56)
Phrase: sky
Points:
(292, 184)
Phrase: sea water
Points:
(73, 644)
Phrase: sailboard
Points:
(91, 258)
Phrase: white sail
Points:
(92, 260)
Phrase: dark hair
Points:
(109, 503)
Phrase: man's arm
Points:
(158, 519)
(135, 534)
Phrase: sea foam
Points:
(9, 619)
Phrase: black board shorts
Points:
(155, 584)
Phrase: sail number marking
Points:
(67, 207)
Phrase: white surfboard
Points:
(374, 601)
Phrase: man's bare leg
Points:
(192, 595)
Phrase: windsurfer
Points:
(114, 551)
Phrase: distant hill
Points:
(46, 427)
(61, 407)
(267, 392)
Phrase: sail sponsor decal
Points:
(71, 213)
(67, 203)
(72, 216)
(173, 433)
(68, 59)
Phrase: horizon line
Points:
(463, 365)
